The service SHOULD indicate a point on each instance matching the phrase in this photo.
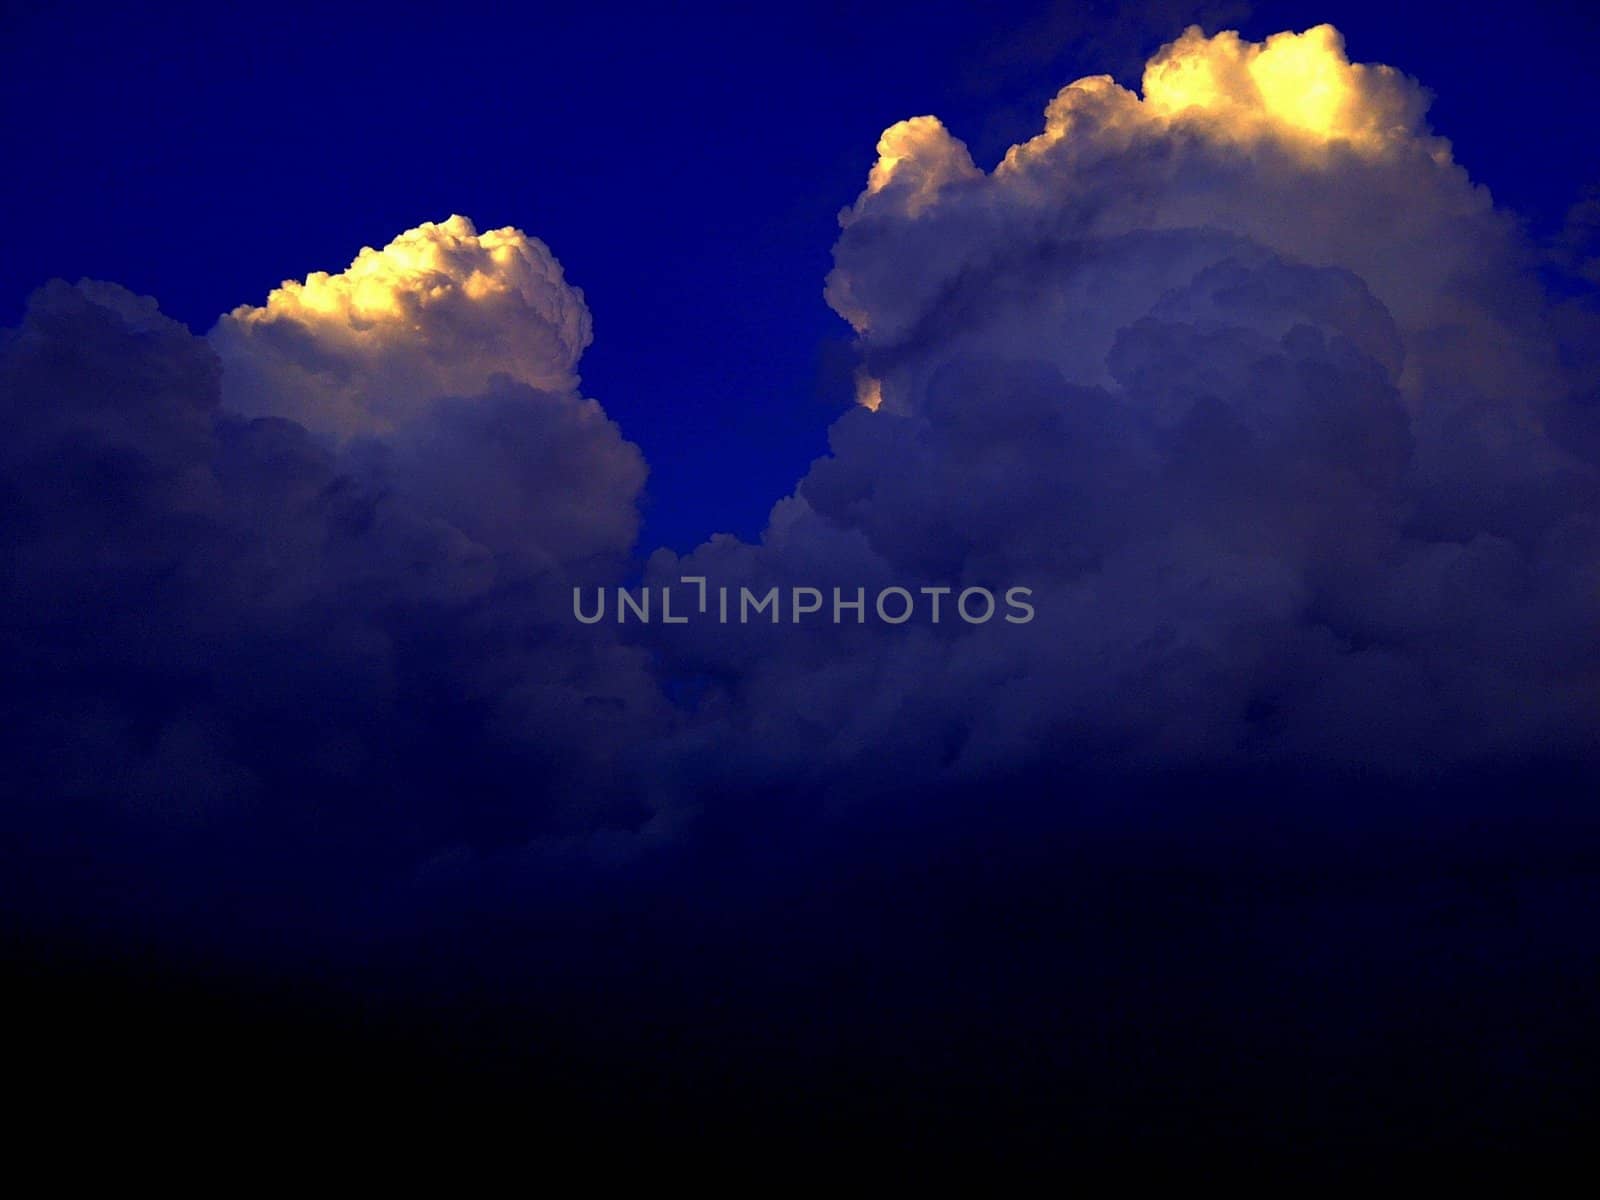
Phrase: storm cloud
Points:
(341, 643)
(1247, 381)
(1258, 392)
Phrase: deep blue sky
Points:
(687, 175)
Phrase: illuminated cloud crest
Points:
(446, 364)
(1226, 136)
(441, 310)
(1294, 88)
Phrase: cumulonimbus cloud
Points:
(308, 574)
(1252, 384)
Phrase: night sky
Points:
(344, 346)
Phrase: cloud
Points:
(441, 310)
(349, 632)
(1254, 387)
(1265, 403)
(1354, 180)
(1258, 394)
(1295, 88)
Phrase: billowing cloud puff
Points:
(915, 159)
(446, 364)
(232, 621)
(1296, 88)
(1285, 142)
(441, 310)
(1252, 386)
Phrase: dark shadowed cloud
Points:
(228, 628)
